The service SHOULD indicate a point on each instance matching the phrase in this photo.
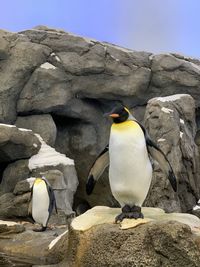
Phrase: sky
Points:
(158, 26)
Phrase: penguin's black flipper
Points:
(97, 169)
(157, 154)
(52, 198)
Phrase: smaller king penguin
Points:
(130, 170)
(43, 202)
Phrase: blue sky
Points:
(146, 25)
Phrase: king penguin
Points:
(130, 169)
(43, 202)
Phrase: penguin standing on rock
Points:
(130, 169)
(43, 202)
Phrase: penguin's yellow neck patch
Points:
(124, 126)
(38, 181)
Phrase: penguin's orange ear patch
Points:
(114, 115)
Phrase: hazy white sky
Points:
(150, 25)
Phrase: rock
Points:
(12, 206)
(23, 186)
(171, 75)
(158, 243)
(42, 124)
(17, 143)
(170, 122)
(29, 248)
(47, 90)
(24, 57)
(9, 227)
(14, 173)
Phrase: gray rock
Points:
(8, 227)
(47, 90)
(171, 75)
(12, 206)
(16, 143)
(29, 248)
(170, 122)
(14, 173)
(24, 57)
(42, 124)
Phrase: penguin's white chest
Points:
(130, 169)
(40, 203)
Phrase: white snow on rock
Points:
(35, 145)
(30, 181)
(161, 140)
(54, 241)
(8, 223)
(167, 110)
(47, 66)
(7, 125)
(169, 98)
(56, 57)
(181, 134)
(25, 130)
(47, 156)
(182, 121)
(197, 207)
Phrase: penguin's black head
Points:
(119, 114)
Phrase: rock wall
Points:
(59, 85)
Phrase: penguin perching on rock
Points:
(43, 202)
(130, 169)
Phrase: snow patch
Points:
(182, 121)
(167, 110)
(181, 134)
(169, 98)
(116, 59)
(56, 57)
(161, 140)
(8, 223)
(7, 125)
(47, 66)
(25, 130)
(197, 207)
(54, 241)
(30, 181)
(47, 156)
(35, 145)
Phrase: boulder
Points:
(12, 174)
(12, 206)
(164, 240)
(29, 248)
(43, 125)
(170, 122)
(172, 75)
(17, 143)
(16, 70)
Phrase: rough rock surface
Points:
(43, 125)
(17, 143)
(28, 248)
(171, 122)
(162, 242)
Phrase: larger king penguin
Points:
(130, 169)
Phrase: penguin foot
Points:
(129, 213)
(42, 229)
